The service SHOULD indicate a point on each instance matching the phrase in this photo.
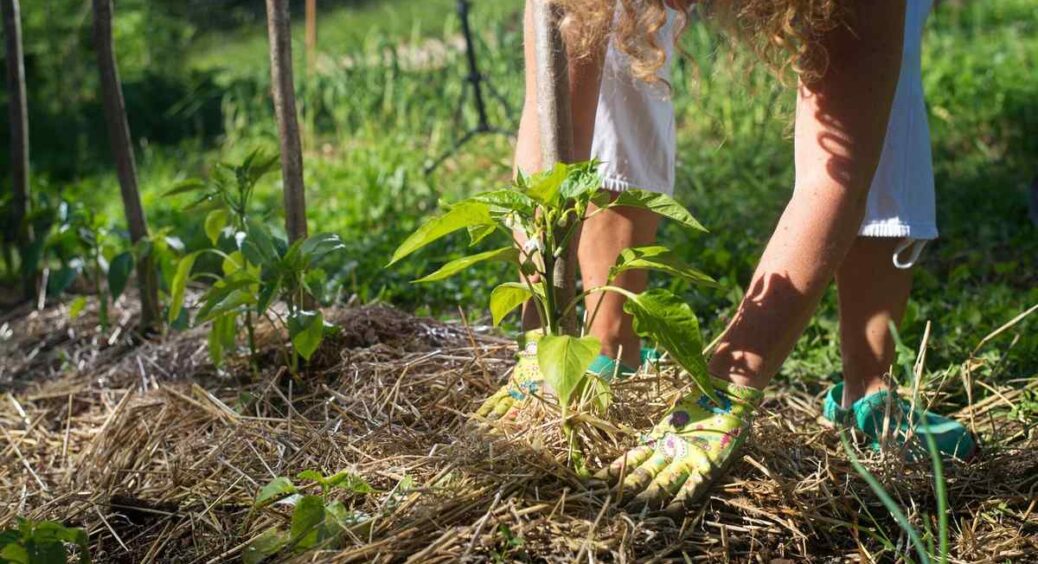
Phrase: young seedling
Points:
(257, 268)
(529, 215)
(317, 520)
(43, 542)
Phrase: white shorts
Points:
(635, 139)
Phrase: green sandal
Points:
(867, 415)
(688, 451)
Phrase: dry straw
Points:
(158, 456)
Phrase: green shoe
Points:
(867, 415)
(685, 453)
(607, 368)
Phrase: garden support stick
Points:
(18, 116)
(126, 168)
(556, 130)
(279, 33)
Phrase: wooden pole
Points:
(16, 226)
(279, 32)
(126, 168)
(311, 35)
(554, 116)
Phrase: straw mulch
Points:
(158, 456)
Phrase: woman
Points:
(863, 199)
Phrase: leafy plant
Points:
(257, 268)
(317, 520)
(42, 542)
(548, 210)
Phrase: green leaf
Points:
(306, 518)
(232, 263)
(460, 216)
(564, 361)
(215, 221)
(276, 489)
(119, 273)
(181, 187)
(581, 179)
(506, 298)
(179, 286)
(320, 245)
(479, 232)
(662, 204)
(259, 246)
(506, 201)
(665, 318)
(269, 543)
(312, 475)
(545, 186)
(661, 259)
(504, 254)
(351, 482)
(307, 331)
(232, 298)
(268, 291)
(15, 553)
(75, 309)
(222, 336)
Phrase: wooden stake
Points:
(279, 32)
(311, 35)
(556, 128)
(126, 168)
(18, 117)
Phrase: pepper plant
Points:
(257, 268)
(540, 217)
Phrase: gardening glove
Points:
(868, 415)
(685, 453)
(526, 379)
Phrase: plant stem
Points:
(251, 335)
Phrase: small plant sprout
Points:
(530, 215)
(42, 542)
(257, 268)
(317, 520)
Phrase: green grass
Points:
(342, 31)
(373, 127)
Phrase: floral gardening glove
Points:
(526, 379)
(686, 452)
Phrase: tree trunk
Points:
(556, 128)
(17, 229)
(279, 31)
(126, 168)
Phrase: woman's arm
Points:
(841, 124)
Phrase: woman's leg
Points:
(602, 239)
(872, 293)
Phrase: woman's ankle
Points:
(855, 388)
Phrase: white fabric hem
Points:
(616, 184)
(923, 232)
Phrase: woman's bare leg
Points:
(872, 293)
(602, 239)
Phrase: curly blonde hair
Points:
(785, 34)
